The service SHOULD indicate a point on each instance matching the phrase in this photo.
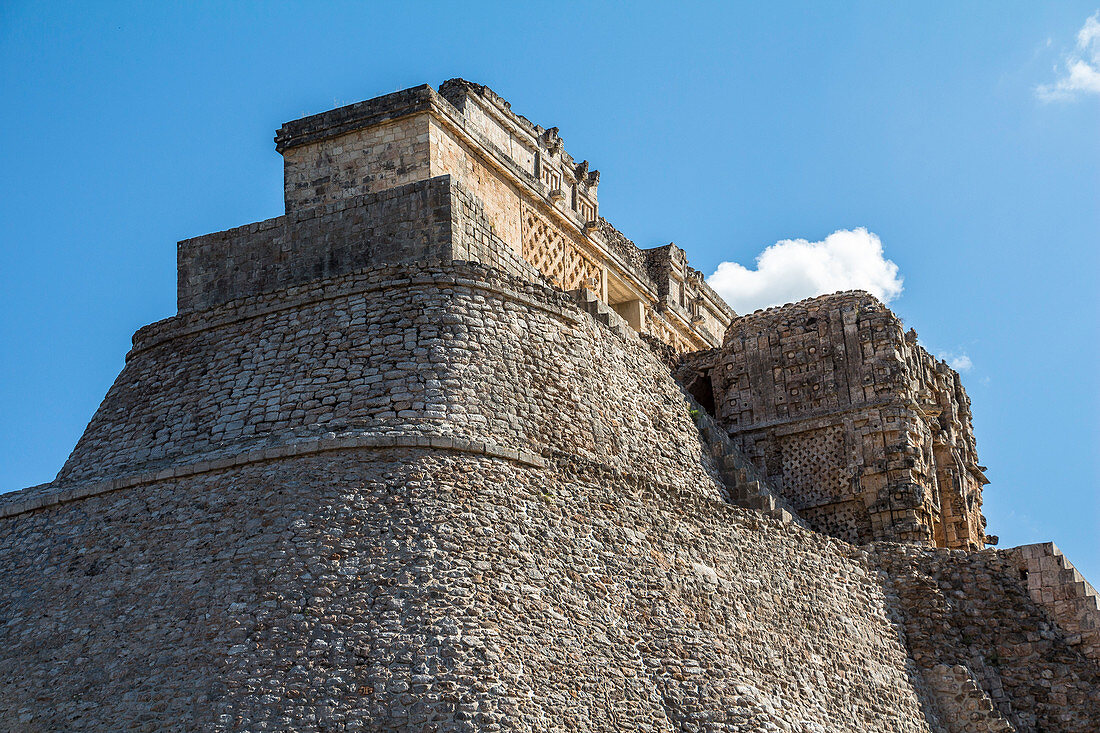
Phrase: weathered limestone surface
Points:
(535, 197)
(450, 349)
(406, 589)
(412, 457)
(364, 148)
(433, 219)
(972, 613)
(859, 427)
(1057, 586)
(409, 590)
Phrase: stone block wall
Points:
(381, 474)
(683, 290)
(416, 574)
(413, 495)
(1057, 587)
(451, 155)
(539, 203)
(967, 708)
(404, 589)
(355, 150)
(445, 350)
(989, 652)
(407, 223)
(861, 429)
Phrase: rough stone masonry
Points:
(440, 449)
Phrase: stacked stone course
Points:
(452, 350)
(971, 613)
(1056, 585)
(411, 589)
(413, 457)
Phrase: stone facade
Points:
(859, 427)
(414, 457)
(453, 349)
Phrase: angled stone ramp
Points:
(747, 486)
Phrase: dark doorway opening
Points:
(703, 392)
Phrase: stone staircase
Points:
(745, 485)
(590, 303)
(1056, 585)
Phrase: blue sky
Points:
(964, 137)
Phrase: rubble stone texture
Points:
(413, 457)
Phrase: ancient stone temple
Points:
(440, 449)
(856, 424)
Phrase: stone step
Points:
(744, 485)
(583, 295)
(782, 515)
(590, 303)
(764, 502)
(1056, 585)
(1086, 601)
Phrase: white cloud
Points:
(793, 269)
(1081, 72)
(960, 361)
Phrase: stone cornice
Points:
(336, 122)
(47, 495)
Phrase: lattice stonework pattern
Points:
(841, 520)
(580, 271)
(543, 247)
(555, 256)
(813, 466)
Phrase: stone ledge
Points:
(59, 495)
(352, 117)
(164, 331)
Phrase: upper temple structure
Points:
(501, 191)
(441, 449)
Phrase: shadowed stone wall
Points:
(993, 653)
(431, 220)
(1057, 586)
